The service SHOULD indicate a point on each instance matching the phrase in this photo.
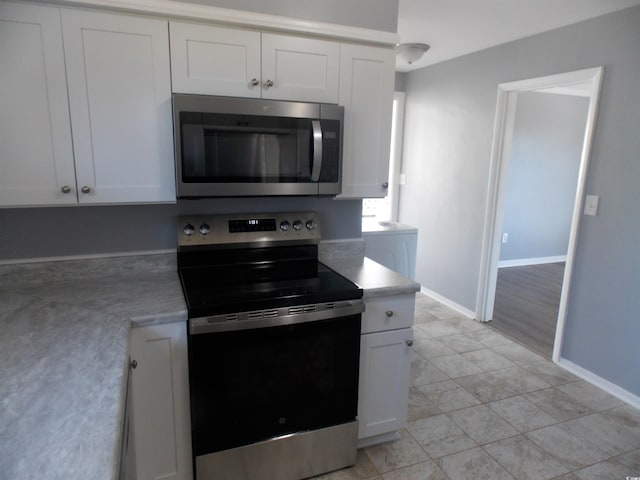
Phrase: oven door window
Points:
(252, 385)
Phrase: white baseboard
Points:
(522, 262)
(600, 382)
(449, 303)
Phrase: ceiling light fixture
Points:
(411, 52)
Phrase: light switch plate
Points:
(591, 205)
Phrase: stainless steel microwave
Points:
(228, 147)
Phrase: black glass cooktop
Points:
(236, 281)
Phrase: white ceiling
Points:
(456, 27)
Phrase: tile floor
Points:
(483, 407)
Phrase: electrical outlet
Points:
(505, 237)
(403, 179)
(591, 205)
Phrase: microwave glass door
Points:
(227, 148)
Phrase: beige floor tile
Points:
(363, 469)
(486, 386)
(422, 471)
(517, 353)
(431, 347)
(455, 365)
(610, 470)
(440, 436)
(448, 396)
(524, 459)
(558, 404)
(487, 360)
(489, 338)
(590, 395)
(394, 455)
(572, 451)
(521, 413)
(461, 343)
(520, 380)
(550, 373)
(423, 372)
(482, 424)
(607, 432)
(420, 406)
(473, 464)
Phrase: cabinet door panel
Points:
(160, 384)
(212, 60)
(301, 69)
(366, 92)
(36, 156)
(385, 364)
(120, 100)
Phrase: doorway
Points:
(588, 83)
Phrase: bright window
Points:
(386, 208)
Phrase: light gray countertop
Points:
(376, 280)
(64, 347)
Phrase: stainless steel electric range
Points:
(274, 346)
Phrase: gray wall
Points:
(401, 82)
(374, 14)
(448, 130)
(51, 232)
(543, 172)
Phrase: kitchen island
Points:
(64, 354)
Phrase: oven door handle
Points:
(316, 166)
(275, 317)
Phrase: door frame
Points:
(496, 194)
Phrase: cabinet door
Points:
(161, 420)
(120, 100)
(36, 156)
(383, 394)
(366, 92)
(212, 60)
(301, 69)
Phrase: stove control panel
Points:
(236, 229)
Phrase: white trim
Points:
(492, 233)
(449, 303)
(523, 262)
(85, 257)
(611, 388)
(238, 18)
(395, 160)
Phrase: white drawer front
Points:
(388, 313)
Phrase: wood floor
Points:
(526, 306)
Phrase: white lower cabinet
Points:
(385, 365)
(160, 395)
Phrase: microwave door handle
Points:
(316, 166)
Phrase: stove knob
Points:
(284, 225)
(189, 230)
(311, 224)
(204, 229)
(297, 225)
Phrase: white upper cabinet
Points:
(367, 76)
(212, 60)
(36, 156)
(303, 69)
(120, 101)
